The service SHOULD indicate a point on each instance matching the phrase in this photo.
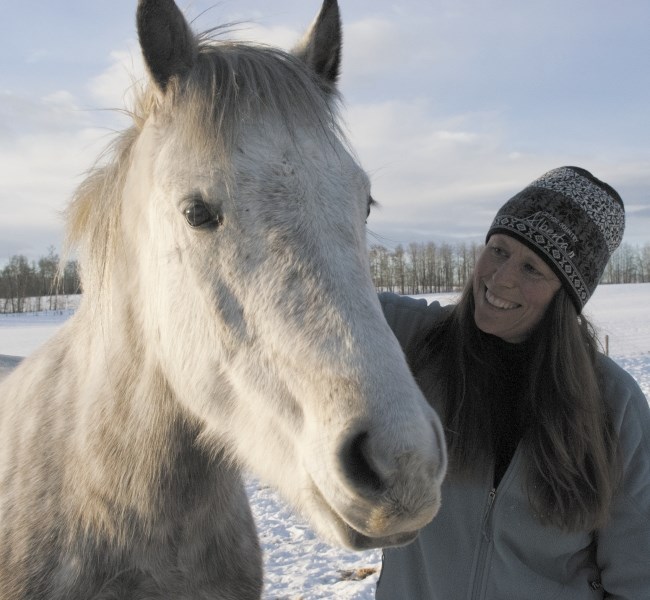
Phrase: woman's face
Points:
(512, 289)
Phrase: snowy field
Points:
(298, 565)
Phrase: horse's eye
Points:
(199, 215)
(371, 202)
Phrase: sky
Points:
(453, 106)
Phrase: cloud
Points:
(448, 120)
(36, 56)
(372, 46)
(438, 177)
(113, 88)
(21, 114)
(46, 146)
(278, 36)
(40, 171)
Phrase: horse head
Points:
(242, 213)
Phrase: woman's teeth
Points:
(498, 302)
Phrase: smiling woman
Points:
(512, 289)
(548, 494)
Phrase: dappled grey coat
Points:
(487, 544)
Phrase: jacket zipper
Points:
(484, 541)
(488, 511)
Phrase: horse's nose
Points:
(374, 463)
(360, 467)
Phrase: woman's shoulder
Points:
(398, 306)
(409, 317)
(626, 538)
(620, 389)
(629, 408)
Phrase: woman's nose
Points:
(505, 274)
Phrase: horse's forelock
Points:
(235, 83)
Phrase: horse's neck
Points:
(132, 428)
(119, 459)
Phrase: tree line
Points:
(43, 280)
(429, 268)
(418, 268)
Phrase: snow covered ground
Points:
(298, 565)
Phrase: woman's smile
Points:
(500, 303)
(512, 289)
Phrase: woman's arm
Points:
(623, 552)
(409, 317)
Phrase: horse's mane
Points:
(230, 85)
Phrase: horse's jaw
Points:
(333, 527)
(389, 512)
(360, 520)
(360, 491)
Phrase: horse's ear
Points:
(167, 42)
(320, 48)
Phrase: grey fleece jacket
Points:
(485, 544)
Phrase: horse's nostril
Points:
(357, 464)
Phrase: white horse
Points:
(228, 321)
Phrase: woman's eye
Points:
(531, 270)
(199, 215)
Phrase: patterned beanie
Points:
(572, 220)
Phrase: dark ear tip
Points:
(166, 40)
(321, 46)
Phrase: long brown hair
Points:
(568, 434)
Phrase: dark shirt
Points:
(506, 397)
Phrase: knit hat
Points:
(572, 220)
